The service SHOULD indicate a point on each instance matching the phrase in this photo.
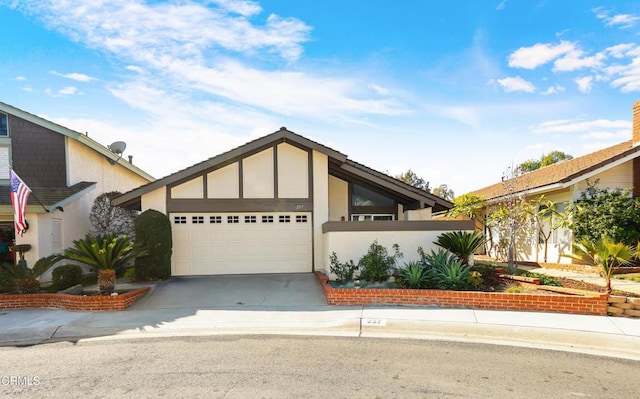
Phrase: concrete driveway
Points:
(235, 291)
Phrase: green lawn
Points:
(628, 276)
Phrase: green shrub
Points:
(377, 264)
(153, 233)
(130, 273)
(415, 275)
(66, 276)
(22, 278)
(544, 279)
(449, 272)
(343, 271)
(461, 243)
(514, 289)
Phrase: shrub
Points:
(377, 264)
(415, 275)
(514, 289)
(108, 219)
(461, 243)
(23, 279)
(343, 271)
(153, 233)
(475, 279)
(453, 276)
(66, 276)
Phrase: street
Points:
(306, 367)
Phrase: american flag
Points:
(19, 196)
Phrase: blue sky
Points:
(454, 90)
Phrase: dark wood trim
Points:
(375, 209)
(241, 178)
(636, 177)
(400, 225)
(240, 205)
(275, 171)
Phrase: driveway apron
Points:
(235, 291)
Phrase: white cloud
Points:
(379, 89)
(576, 59)
(621, 50)
(582, 126)
(621, 20)
(514, 84)
(134, 68)
(245, 8)
(65, 91)
(554, 90)
(584, 83)
(501, 6)
(619, 135)
(80, 77)
(539, 54)
(20, 78)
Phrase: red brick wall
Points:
(593, 305)
(72, 302)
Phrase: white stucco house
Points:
(283, 203)
(66, 170)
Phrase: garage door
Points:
(241, 243)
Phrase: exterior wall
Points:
(338, 199)
(320, 206)
(620, 176)
(418, 214)
(258, 175)
(224, 182)
(293, 172)
(356, 237)
(157, 199)
(190, 189)
(38, 154)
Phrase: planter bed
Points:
(72, 302)
(561, 302)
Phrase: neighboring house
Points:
(614, 167)
(66, 171)
(283, 203)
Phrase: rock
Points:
(635, 301)
(617, 299)
(632, 312)
(615, 311)
(75, 290)
(622, 305)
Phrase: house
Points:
(66, 171)
(282, 204)
(615, 167)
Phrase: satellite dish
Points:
(117, 147)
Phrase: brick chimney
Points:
(636, 123)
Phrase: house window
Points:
(284, 219)
(197, 219)
(364, 197)
(4, 124)
(250, 219)
(215, 219)
(267, 219)
(233, 219)
(370, 217)
(301, 218)
(180, 220)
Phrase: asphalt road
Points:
(306, 367)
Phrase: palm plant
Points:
(606, 254)
(461, 243)
(105, 253)
(21, 278)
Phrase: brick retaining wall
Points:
(72, 302)
(595, 304)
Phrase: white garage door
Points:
(241, 243)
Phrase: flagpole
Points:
(34, 196)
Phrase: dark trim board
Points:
(240, 205)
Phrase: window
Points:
(4, 124)
(301, 218)
(180, 220)
(215, 219)
(284, 219)
(250, 219)
(197, 219)
(267, 219)
(364, 197)
(365, 217)
(233, 219)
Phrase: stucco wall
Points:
(156, 199)
(338, 199)
(320, 205)
(258, 175)
(293, 172)
(224, 182)
(189, 189)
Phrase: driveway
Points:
(235, 291)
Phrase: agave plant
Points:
(606, 254)
(105, 253)
(453, 276)
(415, 275)
(461, 243)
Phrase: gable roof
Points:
(336, 160)
(43, 198)
(565, 173)
(82, 138)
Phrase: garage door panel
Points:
(203, 248)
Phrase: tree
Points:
(548, 219)
(545, 160)
(153, 232)
(113, 220)
(443, 191)
(611, 213)
(411, 178)
(472, 206)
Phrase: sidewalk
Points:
(616, 283)
(599, 335)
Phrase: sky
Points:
(455, 90)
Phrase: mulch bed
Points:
(581, 285)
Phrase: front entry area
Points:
(241, 243)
